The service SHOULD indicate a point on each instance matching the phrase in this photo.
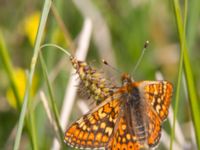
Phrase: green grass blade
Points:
(9, 69)
(33, 129)
(52, 100)
(194, 105)
(43, 20)
(185, 14)
(192, 31)
(5, 58)
(177, 97)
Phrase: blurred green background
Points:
(120, 29)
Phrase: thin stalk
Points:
(194, 107)
(177, 98)
(5, 58)
(43, 20)
(10, 72)
(52, 100)
(33, 130)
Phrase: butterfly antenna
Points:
(141, 56)
(107, 64)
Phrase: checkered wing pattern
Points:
(129, 119)
(154, 127)
(94, 129)
(124, 137)
(158, 94)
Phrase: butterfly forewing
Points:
(158, 94)
(94, 129)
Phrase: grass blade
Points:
(43, 20)
(52, 100)
(9, 69)
(194, 105)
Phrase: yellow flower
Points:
(31, 24)
(20, 78)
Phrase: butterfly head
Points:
(126, 79)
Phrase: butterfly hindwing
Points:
(154, 127)
(124, 138)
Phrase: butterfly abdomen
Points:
(139, 121)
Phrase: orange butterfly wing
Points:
(107, 124)
(154, 128)
(94, 129)
(123, 138)
(158, 94)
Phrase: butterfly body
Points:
(129, 118)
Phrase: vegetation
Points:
(36, 75)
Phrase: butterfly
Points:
(129, 118)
